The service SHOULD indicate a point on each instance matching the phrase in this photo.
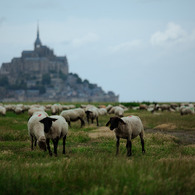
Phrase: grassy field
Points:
(90, 165)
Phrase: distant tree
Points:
(4, 82)
(86, 81)
(62, 76)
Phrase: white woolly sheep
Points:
(117, 110)
(56, 108)
(36, 130)
(35, 109)
(18, 109)
(102, 111)
(57, 130)
(74, 115)
(92, 113)
(127, 128)
(2, 110)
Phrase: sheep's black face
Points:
(114, 122)
(47, 123)
(42, 145)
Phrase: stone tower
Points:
(37, 43)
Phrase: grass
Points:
(90, 165)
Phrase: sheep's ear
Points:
(120, 120)
(47, 119)
(54, 119)
(108, 123)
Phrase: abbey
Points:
(40, 75)
(37, 62)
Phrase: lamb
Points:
(74, 115)
(2, 110)
(92, 113)
(127, 128)
(36, 130)
(57, 130)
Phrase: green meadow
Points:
(90, 165)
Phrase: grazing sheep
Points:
(117, 110)
(92, 113)
(35, 109)
(36, 129)
(127, 128)
(57, 130)
(143, 107)
(18, 109)
(109, 107)
(165, 107)
(56, 108)
(2, 110)
(102, 111)
(74, 115)
(186, 110)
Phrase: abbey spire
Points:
(37, 41)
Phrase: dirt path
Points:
(185, 136)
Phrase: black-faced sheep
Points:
(127, 128)
(36, 130)
(92, 113)
(55, 127)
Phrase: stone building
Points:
(41, 60)
(40, 75)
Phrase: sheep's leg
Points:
(97, 121)
(48, 146)
(35, 141)
(88, 120)
(128, 146)
(92, 120)
(69, 124)
(142, 142)
(55, 143)
(117, 144)
(82, 122)
(64, 143)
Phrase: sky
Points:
(142, 50)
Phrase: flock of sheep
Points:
(42, 128)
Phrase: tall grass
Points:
(90, 165)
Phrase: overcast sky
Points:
(143, 50)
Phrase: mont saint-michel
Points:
(40, 75)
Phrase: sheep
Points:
(109, 107)
(74, 115)
(36, 130)
(18, 109)
(2, 110)
(102, 111)
(127, 128)
(117, 110)
(56, 108)
(92, 113)
(143, 107)
(35, 109)
(186, 110)
(57, 130)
